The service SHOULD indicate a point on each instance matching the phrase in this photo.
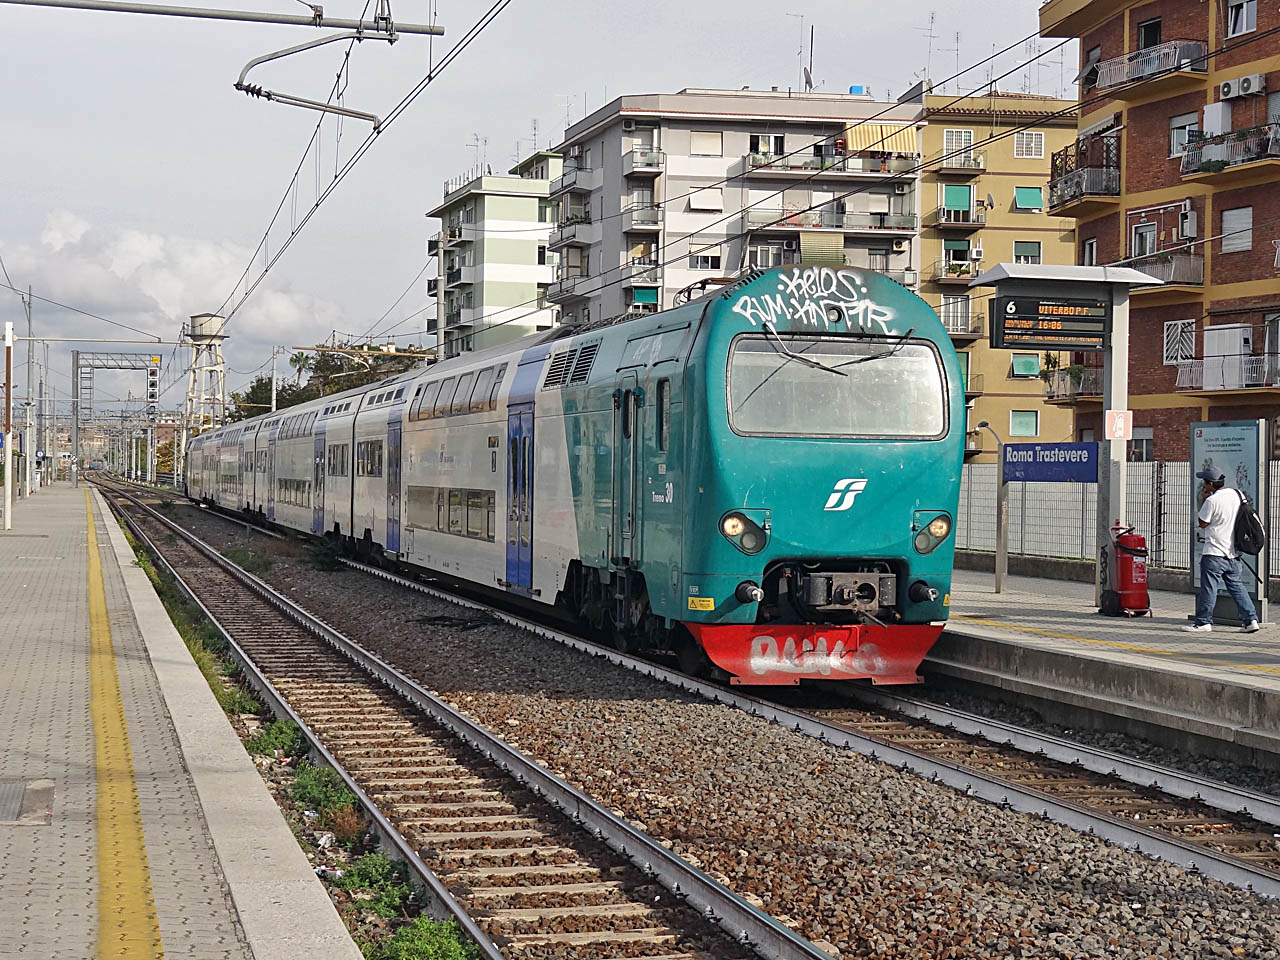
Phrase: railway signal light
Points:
(153, 385)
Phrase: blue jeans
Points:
(1213, 572)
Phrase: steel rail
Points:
(743, 922)
(1176, 783)
(971, 782)
(443, 902)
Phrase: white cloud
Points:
(61, 228)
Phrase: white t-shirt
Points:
(1219, 511)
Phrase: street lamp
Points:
(1002, 511)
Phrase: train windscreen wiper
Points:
(882, 355)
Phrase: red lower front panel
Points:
(788, 653)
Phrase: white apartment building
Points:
(661, 191)
(493, 259)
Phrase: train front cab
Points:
(823, 479)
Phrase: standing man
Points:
(1220, 561)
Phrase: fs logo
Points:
(842, 495)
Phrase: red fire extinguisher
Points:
(1125, 590)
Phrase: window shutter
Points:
(709, 199)
(1028, 198)
(957, 196)
(1237, 229)
(704, 143)
(1026, 248)
(1179, 341)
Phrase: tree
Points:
(301, 362)
(256, 400)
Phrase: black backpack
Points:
(1249, 536)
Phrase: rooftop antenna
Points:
(481, 146)
(928, 32)
(800, 54)
(956, 51)
(808, 71)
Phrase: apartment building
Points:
(662, 192)
(983, 205)
(1175, 170)
(494, 264)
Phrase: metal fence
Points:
(1058, 519)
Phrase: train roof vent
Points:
(558, 370)
(586, 357)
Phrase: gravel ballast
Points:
(847, 850)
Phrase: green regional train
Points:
(763, 481)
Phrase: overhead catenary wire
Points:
(1148, 78)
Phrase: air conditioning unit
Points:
(575, 150)
(1187, 225)
(628, 125)
(975, 252)
(790, 244)
(1242, 86)
(899, 245)
(900, 188)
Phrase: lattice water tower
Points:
(207, 378)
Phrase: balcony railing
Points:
(908, 278)
(1214, 154)
(1173, 268)
(641, 216)
(975, 384)
(1232, 372)
(642, 271)
(1090, 167)
(943, 217)
(572, 178)
(433, 286)
(945, 271)
(828, 220)
(965, 162)
(453, 276)
(964, 324)
(643, 160)
(835, 164)
(453, 317)
(1072, 384)
(1162, 58)
(570, 227)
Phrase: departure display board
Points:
(1050, 323)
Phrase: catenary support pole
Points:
(274, 350)
(1002, 521)
(8, 425)
(1115, 396)
(75, 418)
(28, 448)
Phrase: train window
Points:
(338, 454)
(497, 385)
(463, 395)
(491, 499)
(480, 395)
(369, 458)
(421, 507)
(626, 414)
(445, 399)
(426, 405)
(475, 514)
(664, 413)
(770, 397)
(456, 508)
(311, 419)
(399, 394)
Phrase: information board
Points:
(1051, 462)
(1050, 323)
(1238, 449)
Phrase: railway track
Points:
(1226, 832)
(528, 865)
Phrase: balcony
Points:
(973, 443)
(959, 221)
(453, 233)
(453, 317)
(575, 230)
(758, 219)
(962, 164)
(566, 286)
(1239, 157)
(643, 161)
(642, 272)
(1239, 374)
(825, 167)
(575, 178)
(973, 386)
(1181, 274)
(1073, 385)
(1084, 178)
(961, 272)
(642, 217)
(964, 328)
(433, 246)
(908, 278)
(459, 275)
(1168, 68)
(433, 286)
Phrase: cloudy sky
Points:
(136, 182)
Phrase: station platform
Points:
(132, 821)
(1044, 640)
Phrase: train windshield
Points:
(836, 387)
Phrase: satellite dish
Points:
(991, 203)
(808, 79)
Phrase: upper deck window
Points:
(836, 387)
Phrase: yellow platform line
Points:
(127, 924)
(1116, 644)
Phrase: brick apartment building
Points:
(1176, 170)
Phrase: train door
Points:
(520, 496)
(626, 438)
(393, 481)
(271, 472)
(317, 483)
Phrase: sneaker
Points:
(1198, 628)
(1253, 626)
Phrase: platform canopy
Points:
(1061, 272)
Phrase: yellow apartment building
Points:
(984, 203)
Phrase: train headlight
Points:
(933, 534)
(744, 533)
